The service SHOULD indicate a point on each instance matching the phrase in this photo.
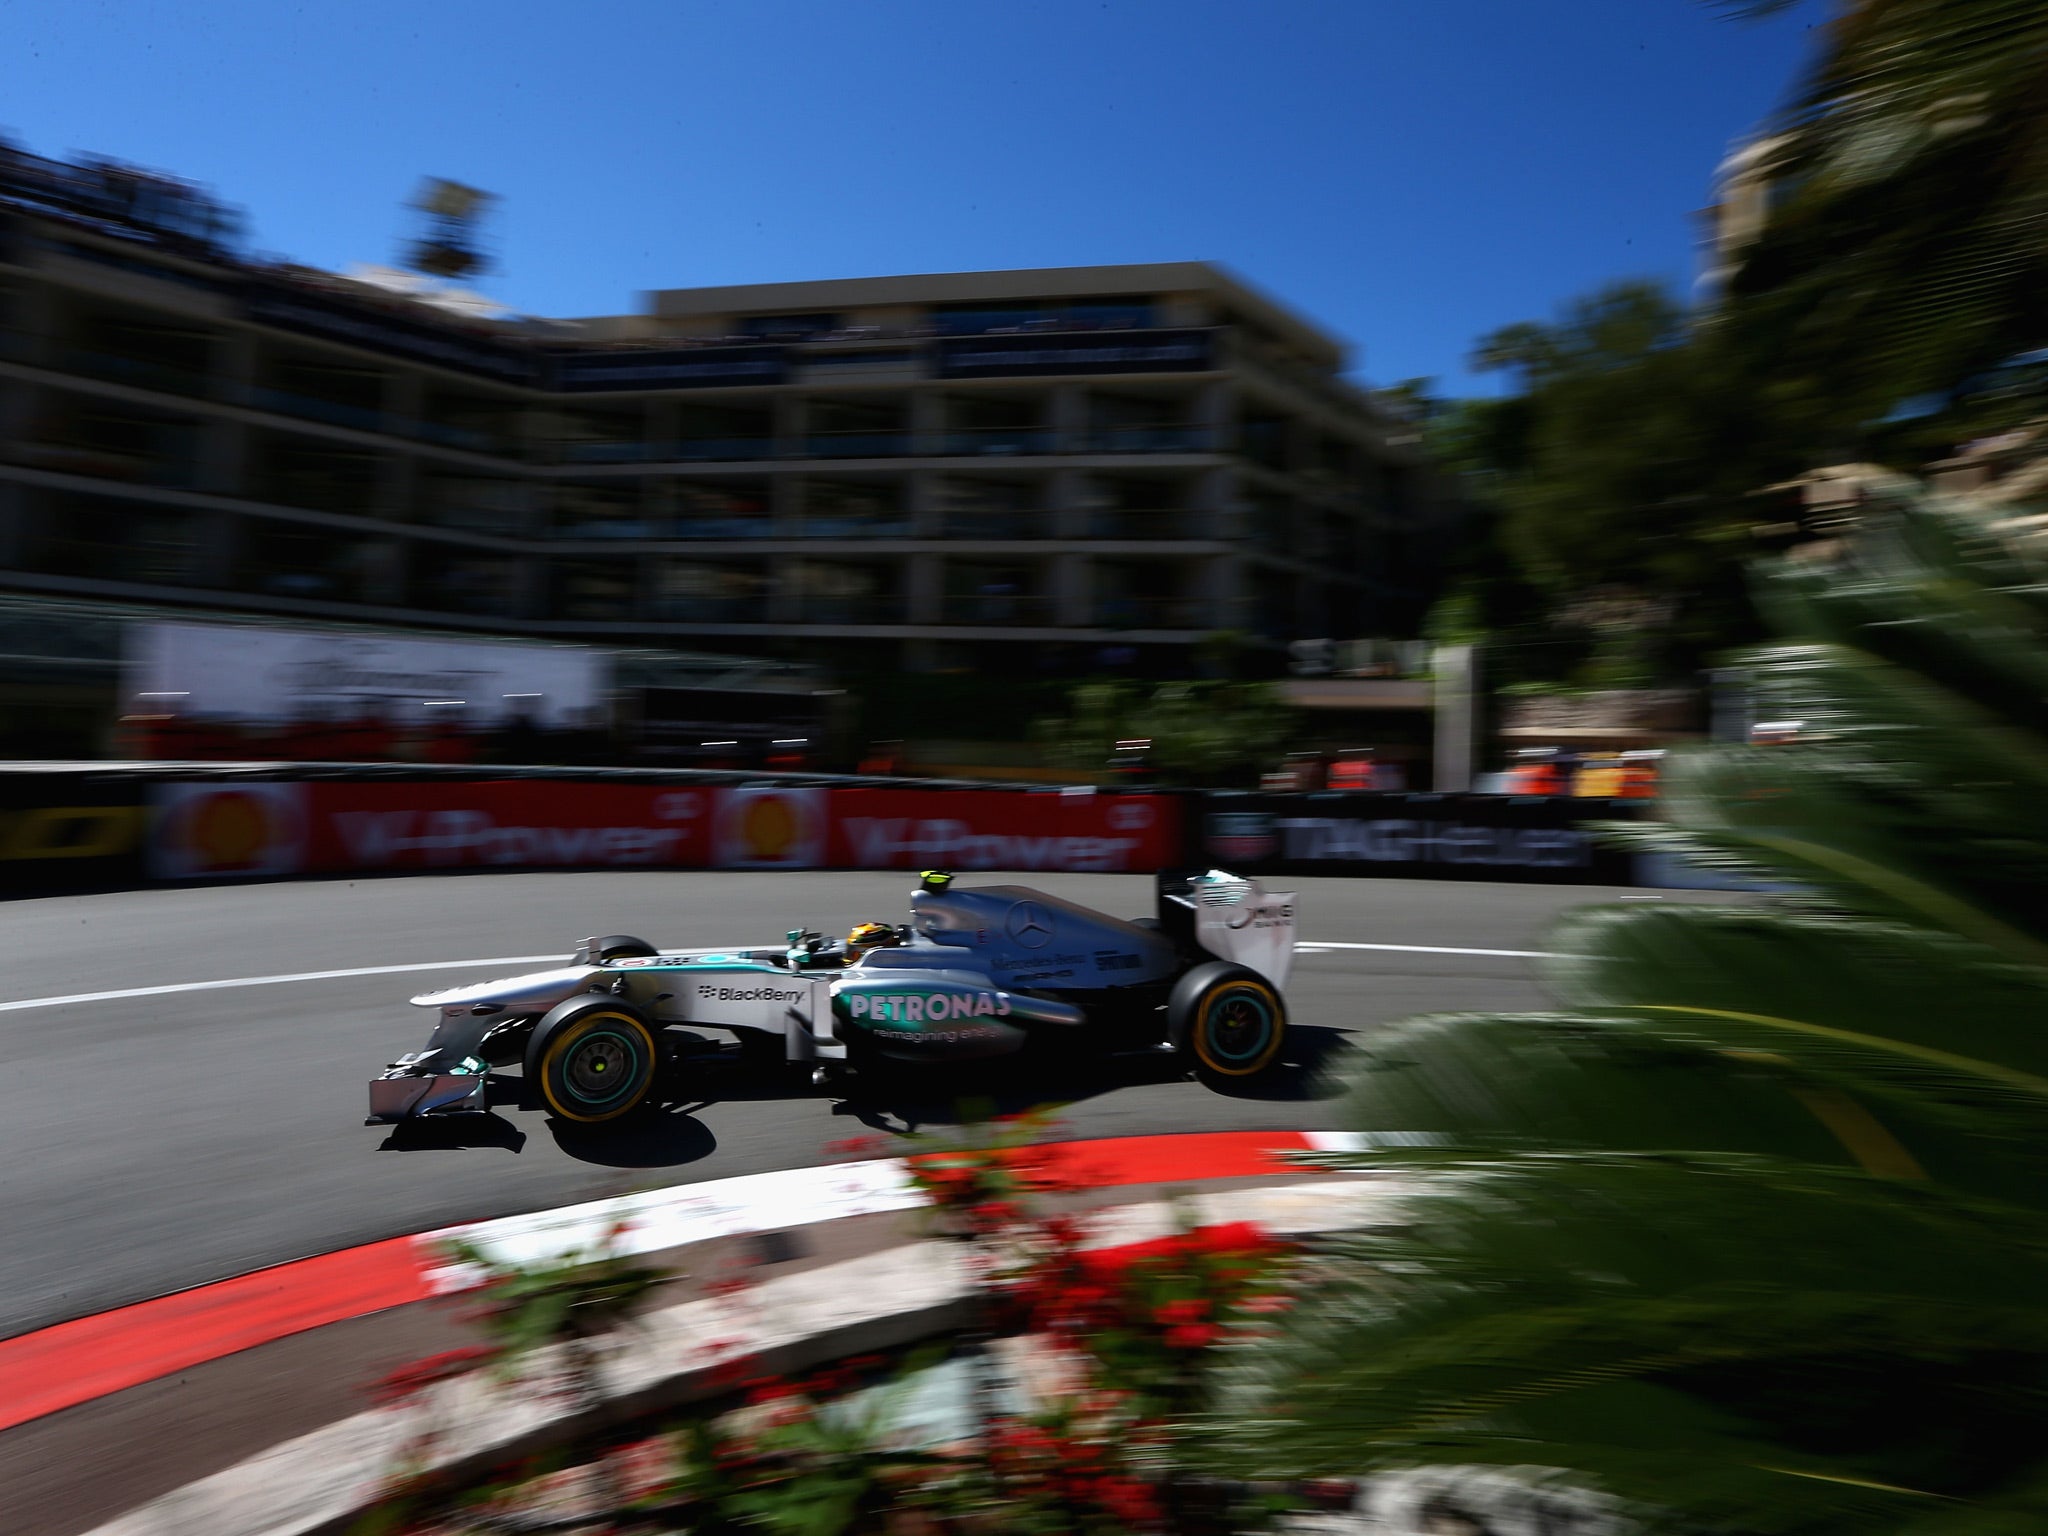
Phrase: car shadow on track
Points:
(664, 1137)
(453, 1133)
(905, 1101)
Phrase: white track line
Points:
(229, 983)
(273, 981)
(1313, 946)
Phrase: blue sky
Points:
(1410, 175)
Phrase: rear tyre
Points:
(593, 1062)
(1229, 1020)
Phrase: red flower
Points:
(829, 1383)
(1191, 1309)
(858, 1146)
(410, 1380)
(991, 1214)
(1061, 1231)
(1191, 1336)
(1129, 1500)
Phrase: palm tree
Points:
(1907, 240)
(1753, 1230)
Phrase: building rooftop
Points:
(1137, 278)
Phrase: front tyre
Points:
(1230, 1020)
(593, 1061)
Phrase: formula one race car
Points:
(975, 973)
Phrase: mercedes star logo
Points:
(1029, 924)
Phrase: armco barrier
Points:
(1445, 837)
(238, 829)
(1004, 829)
(66, 832)
(86, 827)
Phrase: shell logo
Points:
(228, 831)
(770, 829)
(247, 829)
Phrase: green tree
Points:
(1201, 733)
(1753, 1230)
(1904, 247)
(1624, 465)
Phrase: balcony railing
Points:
(470, 517)
(1003, 608)
(285, 402)
(151, 558)
(864, 609)
(319, 489)
(686, 609)
(1157, 439)
(143, 373)
(589, 452)
(708, 450)
(856, 525)
(1148, 613)
(758, 526)
(333, 586)
(978, 524)
(857, 445)
(469, 439)
(999, 441)
(164, 470)
(1149, 524)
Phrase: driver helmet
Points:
(863, 937)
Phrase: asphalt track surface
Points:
(150, 1143)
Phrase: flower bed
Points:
(1066, 1409)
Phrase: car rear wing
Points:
(1231, 917)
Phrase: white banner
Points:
(238, 672)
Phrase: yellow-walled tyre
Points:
(1229, 1020)
(593, 1061)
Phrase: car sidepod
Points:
(932, 1016)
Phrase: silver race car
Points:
(977, 972)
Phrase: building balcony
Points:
(999, 442)
(1148, 524)
(143, 373)
(713, 450)
(1001, 525)
(468, 439)
(998, 608)
(307, 584)
(285, 402)
(101, 463)
(858, 445)
(856, 525)
(685, 609)
(1152, 613)
(478, 517)
(605, 453)
(1156, 439)
(735, 527)
(863, 608)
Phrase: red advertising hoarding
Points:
(513, 823)
(1003, 829)
(343, 826)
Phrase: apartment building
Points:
(1044, 470)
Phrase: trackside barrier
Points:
(1442, 837)
(83, 828)
(216, 829)
(67, 832)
